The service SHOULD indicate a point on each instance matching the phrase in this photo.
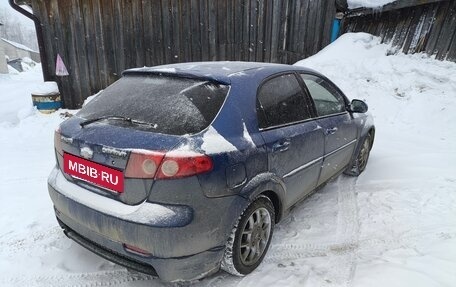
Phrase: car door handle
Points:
(281, 145)
(331, 131)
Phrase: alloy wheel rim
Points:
(255, 236)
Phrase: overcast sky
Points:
(17, 15)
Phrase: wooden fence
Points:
(98, 39)
(429, 28)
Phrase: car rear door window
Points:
(281, 101)
(326, 98)
(171, 105)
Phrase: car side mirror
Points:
(358, 106)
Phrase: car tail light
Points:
(58, 141)
(171, 165)
(143, 164)
(176, 165)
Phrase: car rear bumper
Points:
(168, 269)
(179, 250)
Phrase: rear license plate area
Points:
(93, 172)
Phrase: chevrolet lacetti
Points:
(183, 169)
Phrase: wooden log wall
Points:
(98, 39)
(429, 28)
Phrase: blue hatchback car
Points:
(183, 169)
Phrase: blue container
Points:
(335, 30)
(47, 103)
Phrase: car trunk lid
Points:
(96, 156)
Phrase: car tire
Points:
(250, 238)
(361, 158)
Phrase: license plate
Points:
(93, 172)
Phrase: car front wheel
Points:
(361, 158)
(250, 238)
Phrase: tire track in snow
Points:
(297, 251)
(347, 233)
(52, 236)
(101, 278)
(20, 244)
(345, 247)
(346, 242)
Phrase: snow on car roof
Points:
(219, 71)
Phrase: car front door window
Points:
(336, 123)
(326, 98)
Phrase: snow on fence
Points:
(423, 26)
(98, 39)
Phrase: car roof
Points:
(220, 71)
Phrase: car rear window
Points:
(171, 105)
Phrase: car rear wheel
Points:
(250, 238)
(361, 158)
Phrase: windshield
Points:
(170, 105)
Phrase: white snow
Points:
(110, 206)
(12, 70)
(86, 101)
(247, 136)
(352, 4)
(165, 70)
(214, 143)
(16, 94)
(46, 88)
(23, 20)
(395, 225)
(28, 61)
(18, 45)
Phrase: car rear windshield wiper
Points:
(120, 118)
(88, 122)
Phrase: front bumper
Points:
(183, 246)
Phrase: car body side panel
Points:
(246, 151)
(299, 165)
(267, 182)
(340, 142)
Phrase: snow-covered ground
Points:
(395, 225)
(352, 4)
